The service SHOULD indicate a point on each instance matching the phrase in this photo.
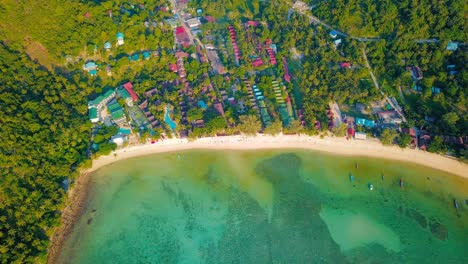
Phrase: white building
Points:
(360, 135)
(118, 140)
(193, 22)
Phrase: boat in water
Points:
(371, 187)
(401, 183)
(382, 176)
(351, 178)
(455, 203)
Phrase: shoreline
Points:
(332, 145)
(339, 146)
(76, 203)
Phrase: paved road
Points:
(378, 86)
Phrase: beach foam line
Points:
(340, 146)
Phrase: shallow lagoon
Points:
(270, 207)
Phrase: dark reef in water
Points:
(439, 230)
(418, 217)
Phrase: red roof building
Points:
(232, 33)
(182, 37)
(287, 77)
(270, 52)
(129, 87)
(252, 23)
(219, 108)
(210, 19)
(257, 63)
(181, 54)
(345, 65)
(173, 67)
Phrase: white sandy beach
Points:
(341, 146)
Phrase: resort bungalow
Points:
(345, 65)
(91, 67)
(333, 34)
(108, 70)
(412, 133)
(134, 57)
(337, 42)
(107, 45)
(452, 46)
(435, 90)
(120, 39)
(416, 73)
(93, 115)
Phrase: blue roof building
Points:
(146, 55)
(333, 34)
(199, 11)
(202, 104)
(107, 45)
(365, 122)
(134, 57)
(120, 38)
(435, 90)
(91, 65)
(452, 46)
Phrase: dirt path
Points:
(364, 55)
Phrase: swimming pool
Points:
(168, 119)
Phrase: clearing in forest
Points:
(37, 51)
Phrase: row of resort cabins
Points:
(232, 33)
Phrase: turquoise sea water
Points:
(270, 207)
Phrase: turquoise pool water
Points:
(168, 120)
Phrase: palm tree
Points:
(250, 124)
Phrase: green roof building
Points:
(118, 116)
(93, 115)
(114, 107)
(126, 96)
(102, 100)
